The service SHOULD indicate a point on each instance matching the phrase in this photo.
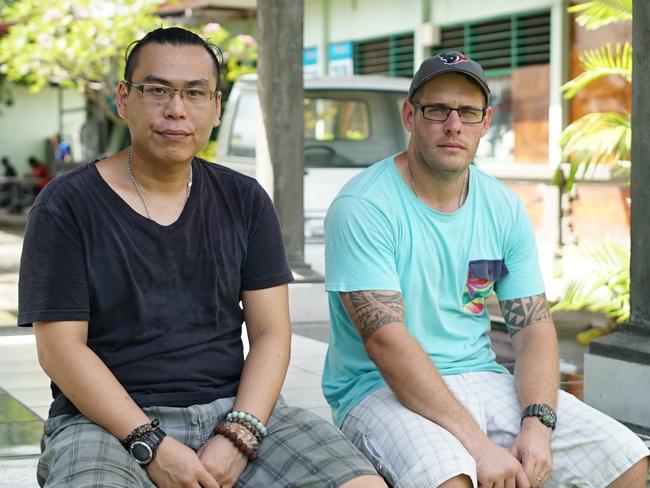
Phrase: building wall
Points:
(26, 126)
(329, 21)
(360, 19)
(454, 11)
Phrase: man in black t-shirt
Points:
(137, 273)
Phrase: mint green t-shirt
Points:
(379, 236)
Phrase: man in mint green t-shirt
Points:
(414, 245)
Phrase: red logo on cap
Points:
(453, 58)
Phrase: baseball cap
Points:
(449, 62)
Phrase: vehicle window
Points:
(351, 128)
(328, 119)
(244, 128)
(342, 128)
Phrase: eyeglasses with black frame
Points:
(440, 113)
(163, 94)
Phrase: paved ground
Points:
(27, 397)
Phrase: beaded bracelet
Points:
(249, 452)
(249, 428)
(139, 432)
(248, 436)
(241, 417)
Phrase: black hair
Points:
(175, 36)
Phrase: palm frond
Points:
(597, 13)
(601, 62)
(596, 138)
(604, 286)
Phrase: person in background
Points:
(137, 273)
(63, 151)
(11, 189)
(414, 246)
(40, 172)
(9, 169)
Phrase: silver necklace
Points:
(415, 192)
(137, 187)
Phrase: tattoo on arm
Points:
(371, 310)
(522, 312)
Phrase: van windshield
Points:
(342, 128)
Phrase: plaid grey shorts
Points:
(302, 450)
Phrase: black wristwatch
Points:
(543, 412)
(143, 449)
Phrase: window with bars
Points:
(392, 56)
(502, 44)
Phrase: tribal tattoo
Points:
(522, 312)
(371, 310)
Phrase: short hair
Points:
(175, 36)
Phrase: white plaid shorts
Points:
(589, 448)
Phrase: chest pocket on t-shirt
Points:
(481, 276)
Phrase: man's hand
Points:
(223, 460)
(532, 447)
(497, 468)
(178, 466)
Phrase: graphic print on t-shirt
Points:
(481, 276)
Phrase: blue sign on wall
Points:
(340, 59)
(310, 61)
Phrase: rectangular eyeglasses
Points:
(440, 113)
(163, 94)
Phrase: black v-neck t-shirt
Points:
(162, 302)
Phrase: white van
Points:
(350, 123)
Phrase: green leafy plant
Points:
(594, 139)
(80, 44)
(6, 97)
(598, 138)
(603, 285)
(596, 14)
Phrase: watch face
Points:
(141, 452)
(547, 416)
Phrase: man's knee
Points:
(635, 477)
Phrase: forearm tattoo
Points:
(371, 310)
(522, 312)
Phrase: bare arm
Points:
(269, 332)
(410, 373)
(537, 376)
(84, 378)
(93, 389)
